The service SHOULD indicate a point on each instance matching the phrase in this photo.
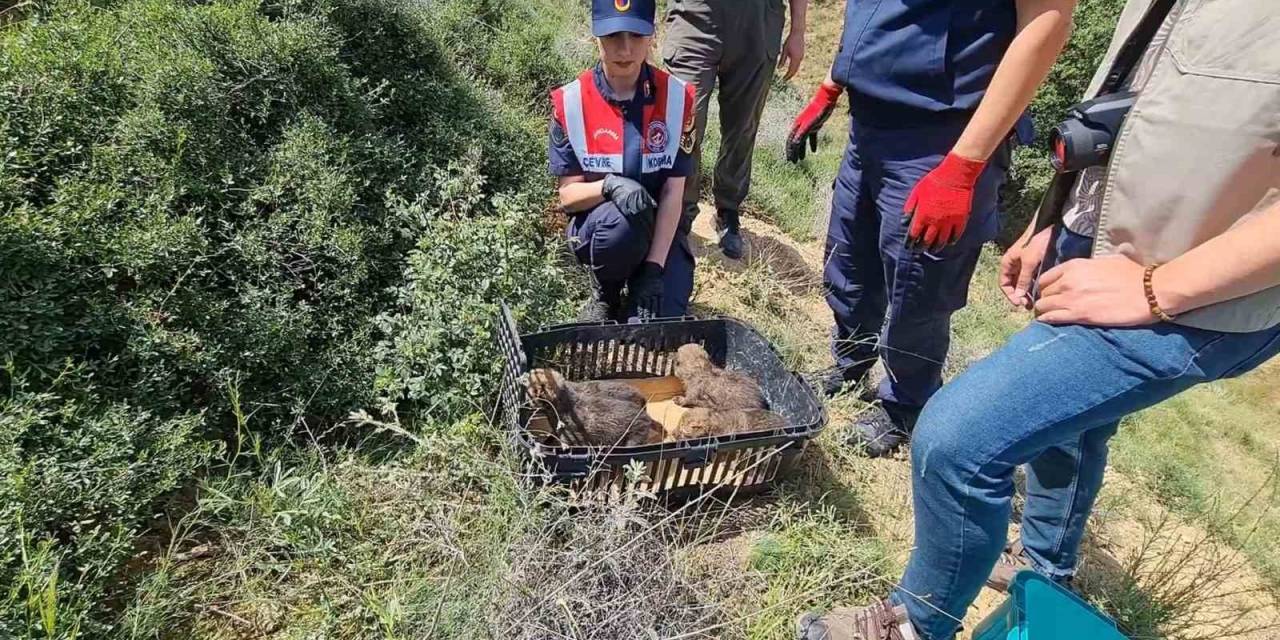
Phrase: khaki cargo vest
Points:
(1200, 151)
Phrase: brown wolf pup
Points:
(700, 422)
(706, 385)
(602, 413)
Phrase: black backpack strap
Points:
(1135, 45)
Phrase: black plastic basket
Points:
(593, 351)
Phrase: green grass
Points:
(1212, 453)
(818, 556)
(784, 192)
(344, 543)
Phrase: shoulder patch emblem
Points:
(558, 135)
(688, 137)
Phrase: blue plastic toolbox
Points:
(1039, 609)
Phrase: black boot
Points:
(605, 303)
(882, 430)
(835, 383)
(729, 230)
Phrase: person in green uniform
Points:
(732, 45)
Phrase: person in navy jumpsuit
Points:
(936, 90)
(930, 138)
(625, 223)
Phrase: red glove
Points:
(940, 203)
(811, 120)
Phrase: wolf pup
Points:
(700, 422)
(603, 413)
(709, 386)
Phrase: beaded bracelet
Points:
(1151, 295)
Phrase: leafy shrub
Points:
(80, 474)
(523, 47)
(226, 209)
(438, 349)
(199, 197)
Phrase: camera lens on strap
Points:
(1085, 139)
(1088, 134)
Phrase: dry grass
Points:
(602, 572)
(1162, 576)
(436, 536)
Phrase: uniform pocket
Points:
(904, 47)
(687, 34)
(1233, 39)
(774, 20)
(929, 284)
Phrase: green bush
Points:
(1095, 21)
(438, 349)
(522, 47)
(225, 209)
(79, 474)
(313, 204)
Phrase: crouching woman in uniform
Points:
(621, 138)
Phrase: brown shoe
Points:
(1012, 560)
(881, 621)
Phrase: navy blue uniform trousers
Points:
(893, 302)
(613, 247)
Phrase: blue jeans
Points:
(1050, 399)
(893, 302)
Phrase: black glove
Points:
(645, 291)
(630, 196)
(815, 114)
(795, 147)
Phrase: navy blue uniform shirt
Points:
(563, 162)
(909, 62)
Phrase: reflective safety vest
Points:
(595, 126)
